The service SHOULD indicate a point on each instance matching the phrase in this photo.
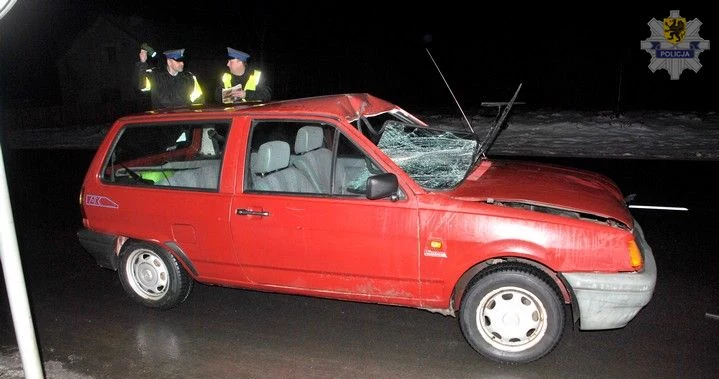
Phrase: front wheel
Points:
(512, 314)
(152, 276)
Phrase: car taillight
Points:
(635, 256)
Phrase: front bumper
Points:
(101, 246)
(609, 301)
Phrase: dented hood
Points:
(545, 185)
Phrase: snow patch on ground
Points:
(11, 367)
(631, 135)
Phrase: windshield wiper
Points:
(498, 124)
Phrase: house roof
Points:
(160, 35)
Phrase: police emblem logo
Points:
(675, 29)
(674, 44)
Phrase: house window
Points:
(110, 54)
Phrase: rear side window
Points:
(168, 155)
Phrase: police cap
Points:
(177, 54)
(236, 54)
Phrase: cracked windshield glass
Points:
(436, 159)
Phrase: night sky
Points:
(565, 58)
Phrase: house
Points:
(96, 72)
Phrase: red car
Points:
(350, 197)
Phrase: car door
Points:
(340, 243)
(161, 182)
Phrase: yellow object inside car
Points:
(156, 176)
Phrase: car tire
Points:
(512, 314)
(152, 276)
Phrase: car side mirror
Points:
(381, 186)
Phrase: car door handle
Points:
(249, 212)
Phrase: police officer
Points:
(241, 84)
(169, 86)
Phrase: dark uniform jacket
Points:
(262, 91)
(166, 90)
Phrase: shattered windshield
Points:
(436, 159)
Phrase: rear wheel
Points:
(152, 276)
(512, 314)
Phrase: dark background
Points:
(579, 57)
(566, 58)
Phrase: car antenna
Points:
(469, 125)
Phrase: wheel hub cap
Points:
(511, 319)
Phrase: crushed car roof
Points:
(347, 106)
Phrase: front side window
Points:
(306, 157)
(352, 169)
(168, 155)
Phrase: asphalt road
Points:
(87, 328)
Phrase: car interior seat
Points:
(273, 172)
(205, 175)
(312, 158)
